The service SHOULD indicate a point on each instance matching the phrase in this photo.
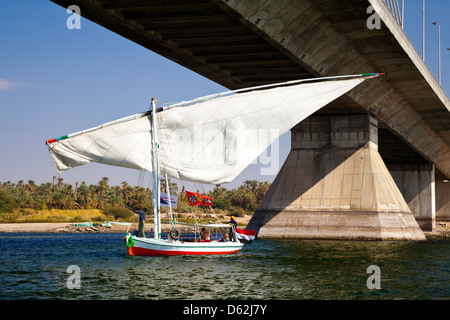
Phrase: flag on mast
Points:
(164, 200)
(245, 235)
(196, 199)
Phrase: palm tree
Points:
(60, 182)
(140, 195)
(31, 186)
(218, 192)
(19, 185)
(82, 195)
(126, 193)
(103, 184)
(173, 187)
(262, 190)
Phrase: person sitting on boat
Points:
(233, 224)
(142, 214)
(204, 237)
(224, 238)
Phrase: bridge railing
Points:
(396, 9)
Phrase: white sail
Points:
(208, 140)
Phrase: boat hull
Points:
(158, 247)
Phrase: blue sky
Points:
(55, 81)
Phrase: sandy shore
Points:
(65, 227)
(32, 227)
(44, 227)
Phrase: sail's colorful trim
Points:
(57, 139)
(373, 74)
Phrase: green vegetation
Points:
(118, 213)
(245, 198)
(7, 203)
(58, 201)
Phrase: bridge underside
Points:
(245, 43)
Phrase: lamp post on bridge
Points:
(439, 38)
(423, 31)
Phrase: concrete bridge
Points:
(370, 165)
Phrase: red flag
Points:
(196, 199)
(244, 234)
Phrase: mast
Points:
(156, 182)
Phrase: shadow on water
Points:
(33, 266)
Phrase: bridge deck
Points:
(240, 44)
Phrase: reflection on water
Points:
(33, 266)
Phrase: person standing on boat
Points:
(142, 214)
(233, 224)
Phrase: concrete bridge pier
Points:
(416, 183)
(443, 201)
(334, 185)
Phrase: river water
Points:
(34, 266)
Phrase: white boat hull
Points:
(156, 247)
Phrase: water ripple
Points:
(33, 266)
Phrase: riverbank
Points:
(57, 227)
(66, 227)
(442, 229)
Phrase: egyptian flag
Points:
(196, 199)
(245, 235)
(164, 200)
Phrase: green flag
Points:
(130, 242)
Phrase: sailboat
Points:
(210, 139)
